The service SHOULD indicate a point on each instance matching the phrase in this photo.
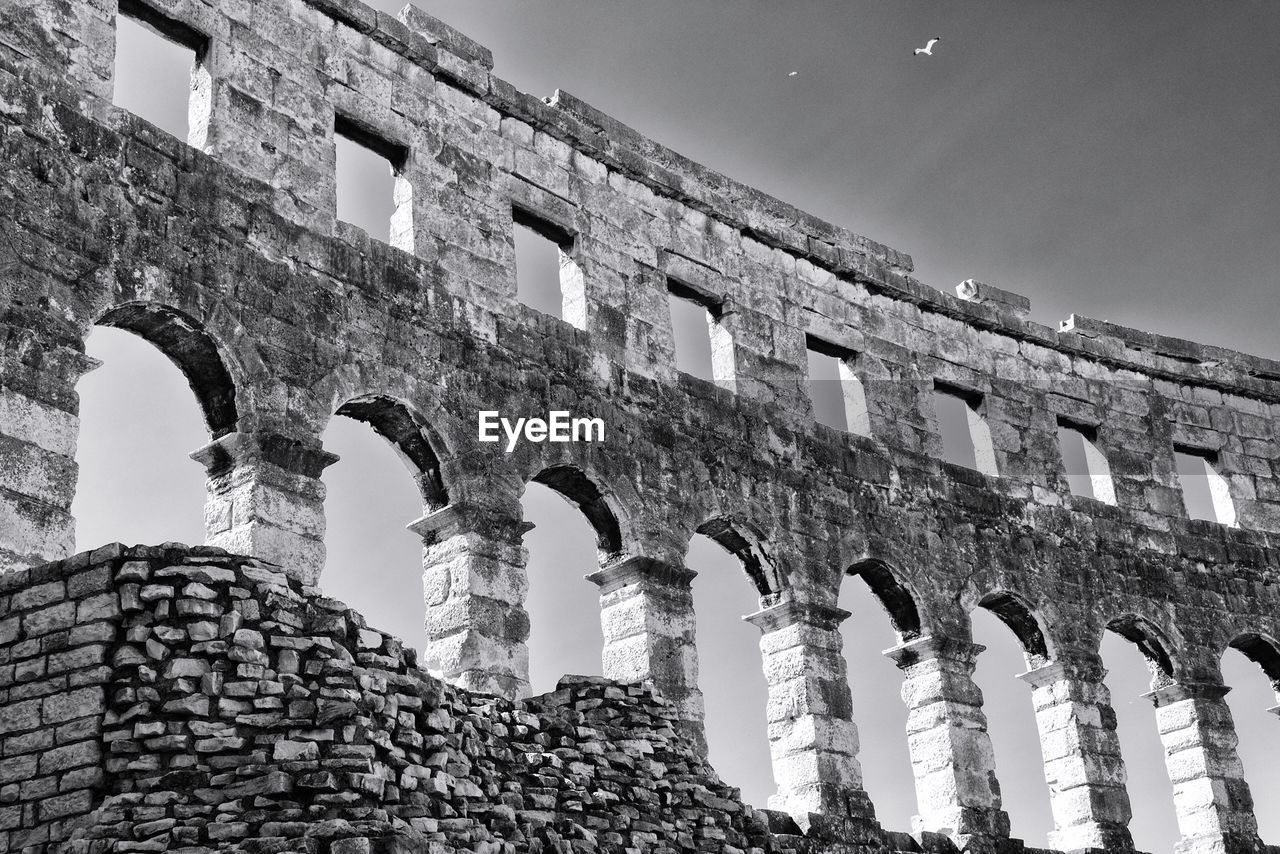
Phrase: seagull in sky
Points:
(927, 50)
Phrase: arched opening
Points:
(138, 426)
(1262, 651)
(730, 675)
(394, 421)
(1018, 618)
(372, 562)
(1153, 647)
(573, 484)
(1014, 644)
(722, 531)
(1251, 666)
(882, 614)
(893, 596)
(180, 338)
(1136, 659)
(574, 532)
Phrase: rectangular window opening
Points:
(694, 321)
(159, 68)
(1087, 470)
(1205, 493)
(548, 277)
(370, 192)
(835, 389)
(966, 438)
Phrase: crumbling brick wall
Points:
(224, 252)
(179, 698)
(56, 638)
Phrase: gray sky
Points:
(1113, 159)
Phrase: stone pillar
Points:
(1210, 795)
(646, 614)
(474, 585)
(266, 499)
(951, 753)
(39, 425)
(1082, 761)
(812, 737)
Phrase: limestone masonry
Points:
(188, 699)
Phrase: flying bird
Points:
(927, 50)
(792, 73)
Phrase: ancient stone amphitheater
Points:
(174, 698)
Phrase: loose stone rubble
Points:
(185, 699)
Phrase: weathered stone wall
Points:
(223, 707)
(225, 253)
(59, 627)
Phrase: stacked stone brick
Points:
(56, 639)
(185, 699)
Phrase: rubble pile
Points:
(220, 706)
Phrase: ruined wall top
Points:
(453, 57)
(777, 224)
(420, 50)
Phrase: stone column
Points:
(1082, 761)
(812, 737)
(1210, 795)
(951, 753)
(266, 499)
(646, 614)
(474, 585)
(39, 425)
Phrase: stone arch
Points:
(1263, 651)
(740, 542)
(1018, 616)
(186, 343)
(1250, 720)
(1010, 719)
(414, 440)
(1150, 641)
(577, 487)
(893, 595)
